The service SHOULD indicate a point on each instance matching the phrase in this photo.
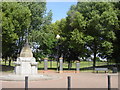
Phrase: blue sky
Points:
(59, 9)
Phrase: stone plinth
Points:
(45, 64)
(61, 65)
(26, 66)
(77, 67)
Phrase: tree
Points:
(39, 33)
(15, 21)
(46, 39)
(116, 43)
(38, 10)
(92, 28)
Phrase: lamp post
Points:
(57, 37)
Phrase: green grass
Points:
(83, 64)
(65, 65)
(53, 65)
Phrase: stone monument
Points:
(26, 63)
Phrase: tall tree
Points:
(93, 24)
(39, 32)
(38, 10)
(15, 21)
(117, 32)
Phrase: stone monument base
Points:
(13, 77)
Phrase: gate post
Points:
(61, 65)
(45, 64)
(77, 66)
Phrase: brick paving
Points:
(78, 80)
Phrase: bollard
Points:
(109, 86)
(61, 65)
(26, 82)
(77, 66)
(69, 83)
(45, 64)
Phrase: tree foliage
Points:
(21, 18)
(15, 20)
(91, 28)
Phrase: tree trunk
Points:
(95, 53)
(69, 65)
(51, 64)
(94, 60)
(57, 64)
(9, 61)
(5, 60)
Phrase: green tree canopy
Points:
(15, 21)
(91, 27)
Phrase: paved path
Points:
(78, 80)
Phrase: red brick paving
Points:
(78, 80)
(53, 71)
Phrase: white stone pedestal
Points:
(26, 66)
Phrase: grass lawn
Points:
(52, 65)
(84, 65)
(65, 65)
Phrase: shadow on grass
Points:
(5, 68)
(48, 68)
(84, 68)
